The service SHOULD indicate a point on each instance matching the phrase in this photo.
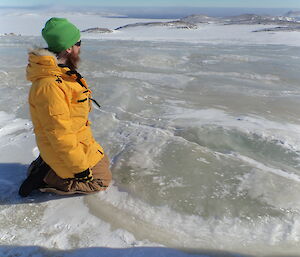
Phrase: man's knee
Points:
(102, 171)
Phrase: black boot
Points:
(37, 170)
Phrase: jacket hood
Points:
(43, 63)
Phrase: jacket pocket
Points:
(80, 105)
(57, 109)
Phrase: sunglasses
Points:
(78, 43)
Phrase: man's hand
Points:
(84, 176)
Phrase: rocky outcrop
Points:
(293, 14)
(173, 24)
(285, 23)
(11, 34)
(199, 18)
(97, 30)
(259, 19)
(291, 28)
(241, 19)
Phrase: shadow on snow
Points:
(37, 251)
(11, 177)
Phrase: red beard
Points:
(72, 60)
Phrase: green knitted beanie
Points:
(60, 34)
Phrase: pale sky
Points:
(194, 3)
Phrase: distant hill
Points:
(179, 24)
(287, 29)
(97, 30)
(259, 19)
(241, 19)
(293, 14)
(194, 21)
(199, 18)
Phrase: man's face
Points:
(73, 58)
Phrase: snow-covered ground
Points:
(28, 24)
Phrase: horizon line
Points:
(140, 6)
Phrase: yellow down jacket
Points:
(60, 102)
